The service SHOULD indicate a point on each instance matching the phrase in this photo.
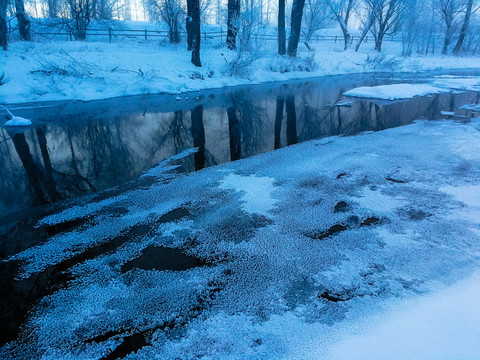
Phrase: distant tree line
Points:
(418, 22)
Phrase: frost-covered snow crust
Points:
(304, 248)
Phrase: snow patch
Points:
(378, 202)
(256, 192)
(443, 325)
(470, 107)
(470, 83)
(395, 91)
(18, 121)
(469, 195)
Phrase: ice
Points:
(163, 166)
(269, 289)
(470, 107)
(395, 91)
(447, 113)
(458, 83)
(18, 121)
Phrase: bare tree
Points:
(52, 8)
(366, 17)
(171, 12)
(316, 16)
(206, 10)
(282, 36)
(3, 24)
(80, 12)
(342, 10)
(386, 17)
(23, 22)
(194, 12)
(449, 10)
(104, 9)
(233, 23)
(410, 27)
(463, 30)
(295, 28)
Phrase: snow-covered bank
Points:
(355, 233)
(90, 71)
(443, 325)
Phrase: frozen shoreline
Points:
(47, 72)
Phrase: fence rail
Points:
(114, 34)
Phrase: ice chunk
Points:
(395, 91)
(18, 121)
(447, 113)
(470, 107)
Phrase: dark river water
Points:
(81, 148)
(75, 148)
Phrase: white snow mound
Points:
(18, 121)
(395, 91)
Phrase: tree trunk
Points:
(346, 34)
(23, 22)
(196, 36)
(295, 28)
(3, 24)
(281, 28)
(188, 25)
(52, 9)
(447, 40)
(232, 23)
(365, 31)
(463, 31)
(379, 39)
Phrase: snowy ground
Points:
(46, 71)
(362, 247)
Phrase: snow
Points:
(18, 121)
(256, 192)
(469, 195)
(442, 325)
(405, 287)
(458, 83)
(395, 91)
(376, 201)
(50, 71)
(448, 113)
(470, 107)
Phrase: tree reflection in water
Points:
(75, 149)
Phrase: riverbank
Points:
(66, 71)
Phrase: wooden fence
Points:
(116, 34)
